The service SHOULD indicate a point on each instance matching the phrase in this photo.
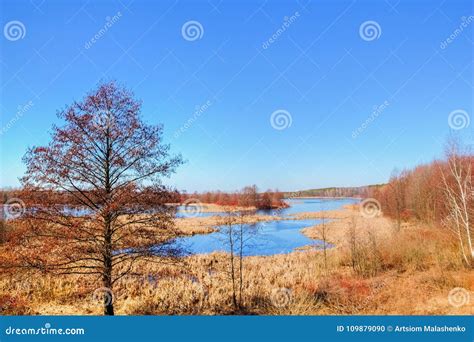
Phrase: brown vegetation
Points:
(109, 162)
(438, 194)
(119, 256)
(387, 273)
(248, 197)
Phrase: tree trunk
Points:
(241, 266)
(107, 275)
(232, 266)
(108, 298)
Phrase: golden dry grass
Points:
(405, 272)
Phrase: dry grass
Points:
(410, 271)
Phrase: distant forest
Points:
(361, 191)
(270, 198)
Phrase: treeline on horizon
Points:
(360, 191)
(249, 196)
(51, 197)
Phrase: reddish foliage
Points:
(106, 161)
(247, 197)
(418, 193)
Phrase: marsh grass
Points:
(405, 272)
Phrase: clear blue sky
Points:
(320, 69)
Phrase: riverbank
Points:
(205, 225)
(375, 268)
(341, 223)
(197, 206)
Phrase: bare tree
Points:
(244, 236)
(352, 239)
(237, 237)
(322, 233)
(228, 230)
(458, 189)
(110, 164)
(398, 183)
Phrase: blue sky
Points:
(320, 70)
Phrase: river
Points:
(272, 237)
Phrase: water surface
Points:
(268, 238)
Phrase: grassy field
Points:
(374, 268)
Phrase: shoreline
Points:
(388, 265)
(190, 226)
(322, 197)
(336, 222)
